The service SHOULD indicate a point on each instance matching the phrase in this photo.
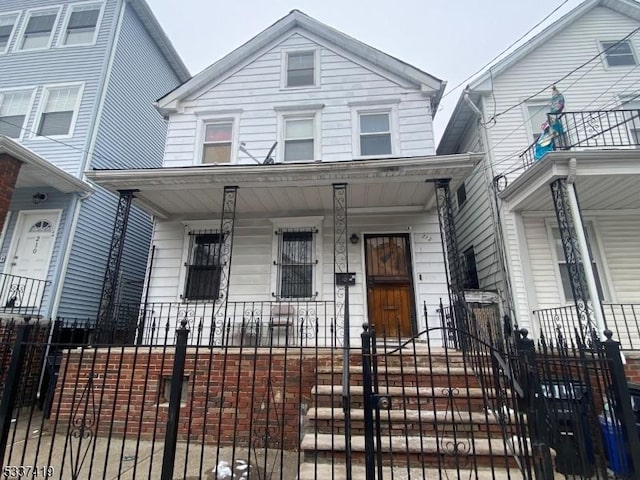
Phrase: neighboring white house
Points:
(259, 146)
(506, 215)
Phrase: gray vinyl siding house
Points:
(114, 80)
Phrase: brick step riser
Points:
(427, 429)
(410, 403)
(416, 460)
(407, 361)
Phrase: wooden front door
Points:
(389, 284)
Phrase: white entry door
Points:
(29, 258)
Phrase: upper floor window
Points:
(375, 133)
(618, 54)
(14, 107)
(301, 69)
(632, 120)
(38, 29)
(461, 195)
(7, 26)
(81, 26)
(537, 115)
(218, 139)
(298, 139)
(60, 107)
(203, 266)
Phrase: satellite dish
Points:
(268, 159)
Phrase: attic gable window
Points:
(300, 69)
(81, 25)
(375, 133)
(38, 30)
(7, 26)
(618, 54)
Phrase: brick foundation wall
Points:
(632, 368)
(250, 396)
(9, 170)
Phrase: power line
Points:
(613, 45)
(505, 50)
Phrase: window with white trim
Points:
(38, 29)
(60, 105)
(82, 23)
(7, 26)
(537, 117)
(218, 139)
(374, 129)
(296, 263)
(14, 107)
(563, 268)
(203, 266)
(299, 141)
(618, 53)
(300, 69)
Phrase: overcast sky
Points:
(449, 39)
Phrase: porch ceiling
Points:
(35, 171)
(605, 180)
(196, 192)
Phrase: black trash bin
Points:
(569, 435)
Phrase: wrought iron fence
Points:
(21, 295)
(563, 324)
(587, 129)
(268, 323)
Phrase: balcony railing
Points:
(583, 130)
(259, 324)
(562, 324)
(21, 295)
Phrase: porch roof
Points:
(605, 180)
(38, 172)
(395, 184)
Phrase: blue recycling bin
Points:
(617, 454)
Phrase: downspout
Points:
(583, 247)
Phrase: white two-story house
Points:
(302, 154)
(554, 190)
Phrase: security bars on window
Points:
(203, 266)
(295, 263)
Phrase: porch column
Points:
(449, 240)
(578, 259)
(225, 250)
(9, 170)
(104, 323)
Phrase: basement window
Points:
(165, 390)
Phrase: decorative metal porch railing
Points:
(21, 295)
(562, 324)
(588, 129)
(264, 324)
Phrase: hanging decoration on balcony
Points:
(552, 128)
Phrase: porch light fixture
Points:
(354, 238)
(39, 197)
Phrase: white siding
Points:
(592, 87)
(616, 248)
(254, 90)
(253, 256)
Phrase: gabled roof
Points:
(158, 35)
(463, 112)
(298, 19)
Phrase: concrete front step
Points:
(407, 422)
(325, 471)
(401, 397)
(413, 450)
